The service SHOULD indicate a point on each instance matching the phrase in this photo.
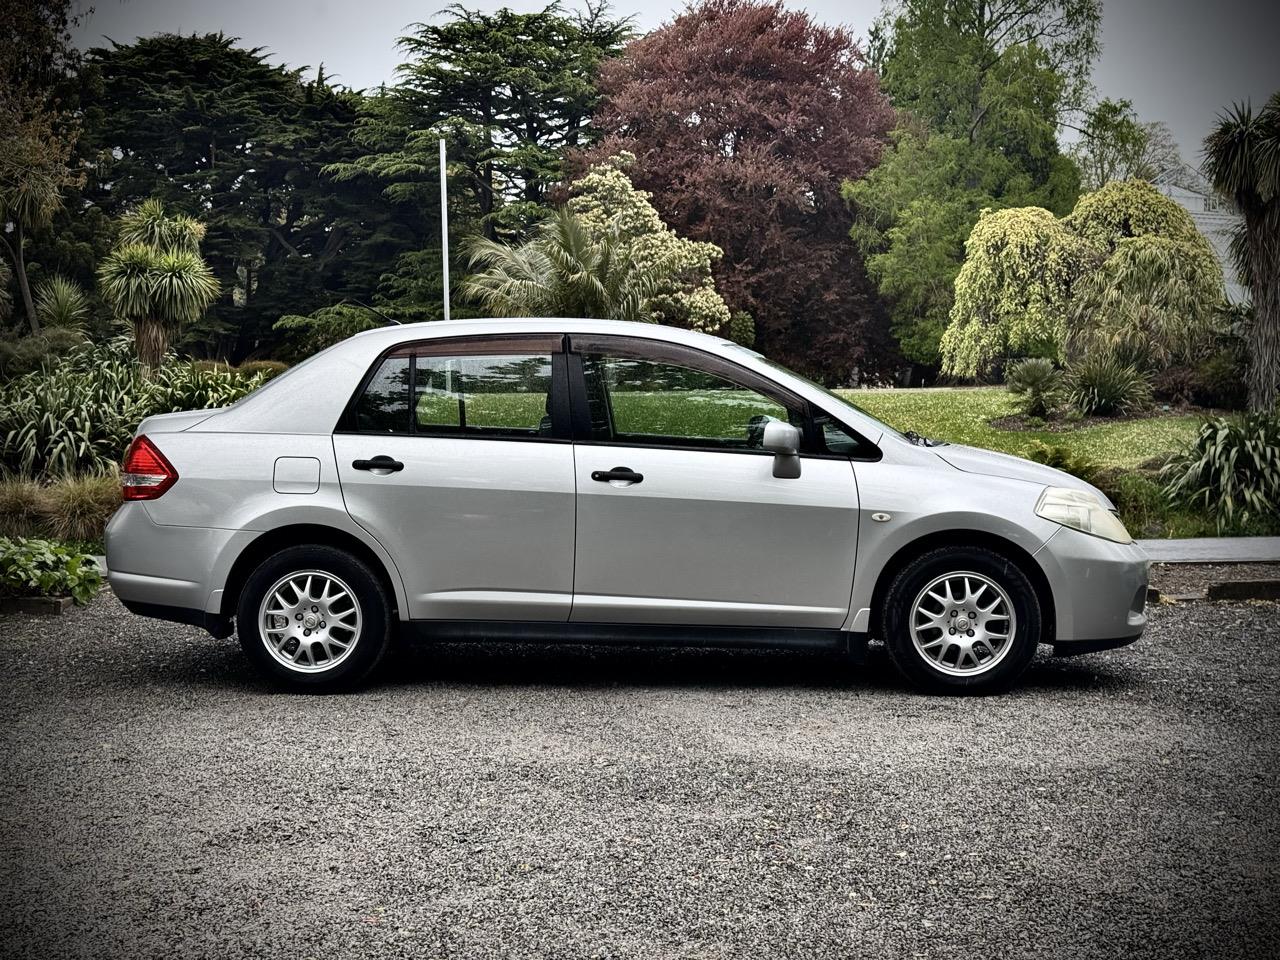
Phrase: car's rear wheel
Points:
(961, 620)
(314, 618)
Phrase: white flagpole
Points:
(444, 229)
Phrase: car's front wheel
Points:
(314, 617)
(961, 620)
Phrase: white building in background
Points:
(1214, 217)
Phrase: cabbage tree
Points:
(156, 279)
(1242, 160)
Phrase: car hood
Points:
(988, 463)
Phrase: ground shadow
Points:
(205, 662)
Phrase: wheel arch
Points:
(301, 534)
(967, 538)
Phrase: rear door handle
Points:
(378, 463)
(619, 474)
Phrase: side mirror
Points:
(783, 441)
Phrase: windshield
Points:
(817, 386)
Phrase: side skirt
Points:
(509, 631)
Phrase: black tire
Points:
(350, 666)
(923, 672)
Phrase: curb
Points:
(1245, 590)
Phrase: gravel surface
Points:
(156, 800)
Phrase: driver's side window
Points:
(661, 402)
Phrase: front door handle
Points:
(617, 474)
(378, 463)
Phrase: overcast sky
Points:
(1179, 61)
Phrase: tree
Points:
(35, 169)
(565, 271)
(1126, 273)
(156, 278)
(744, 118)
(1154, 301)
(966, 67)
(1130, 208)
(1013, 292)
(1242, 160)
(512, 91)
(37, 136)
(245, 142)
(982, 89)
(606, 203)
(1114, 145)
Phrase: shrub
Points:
(1103, 386)
(60, 302)
(1176, 384)
(20, 503)
(1221, 381)
(1063, 458)
(186, 386)
(1230, 470)
(268, 368)
(78, 414)
(31, 353)
(1038, 385)
(41, 568)
(1142, 503)
(78, 508)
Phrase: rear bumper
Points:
(166, 566)
(1099, 590)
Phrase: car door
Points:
(456, 455)
(680, 518)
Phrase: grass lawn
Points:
(960, 415)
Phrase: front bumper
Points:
(1099, 590)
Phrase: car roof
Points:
(311, 397)
(435, 329)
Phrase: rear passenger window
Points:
(494, 396)
(470, 394)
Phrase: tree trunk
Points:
(151, 340)
(24, 284)
(1263, 233)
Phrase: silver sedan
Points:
(592, 480)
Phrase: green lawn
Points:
(961, 415)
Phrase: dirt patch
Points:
(1018, 423)
(1180, 578)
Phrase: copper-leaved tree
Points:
(744, 118)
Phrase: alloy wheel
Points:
(963, 624)
(309, 621)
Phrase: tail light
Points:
(146, 474)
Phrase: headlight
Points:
(1081, 511)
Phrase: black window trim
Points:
(813, 444)
(517, 343)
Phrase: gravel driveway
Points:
(157, 801)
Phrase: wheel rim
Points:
(309, 621)
(963, 624)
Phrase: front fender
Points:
(903, 504)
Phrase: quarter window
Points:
(660, 402)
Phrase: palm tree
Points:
(562, 272)
(156, 278)
(1242, 160)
